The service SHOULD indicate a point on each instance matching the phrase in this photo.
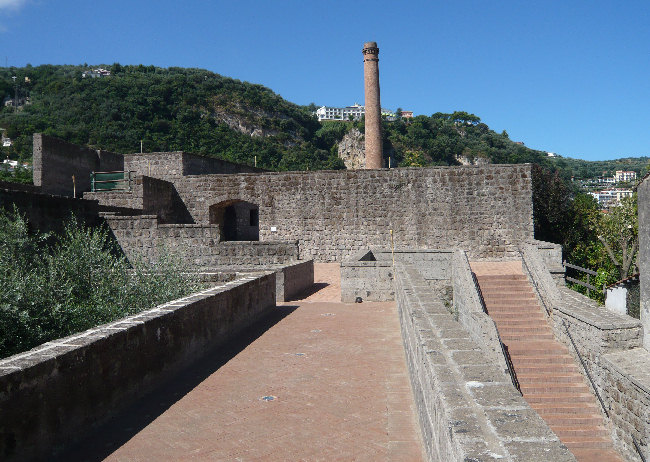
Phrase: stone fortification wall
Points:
(332, 214)
(468, 309)
(46, 213)
(643, 257)
(198, 245)
(368, 274)
(55, 392)
(608, 343)
(56, 161)
(168, 165)
(468, 409)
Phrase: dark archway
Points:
(237, 220)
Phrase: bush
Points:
(54, 286)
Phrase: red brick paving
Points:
(340, 389)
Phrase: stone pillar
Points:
(643, 258)
(374, 155)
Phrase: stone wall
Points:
(468, 309)
(197, 245)
(643, 258)
(293, 280)
(468, 409)
(332, 214)
(168, 165)
(56, 161)
(55, 392)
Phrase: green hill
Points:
(198, 111)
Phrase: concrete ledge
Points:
(468, 409)
(53, 393)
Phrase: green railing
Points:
(111, 181)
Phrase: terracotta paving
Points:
(549, 378)
(327, 382)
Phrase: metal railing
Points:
(584, 366)
(587, 271)
(504, 347)
(111, 181)
(638, 449)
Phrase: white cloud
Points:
(11, 4)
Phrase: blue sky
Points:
(571, 77)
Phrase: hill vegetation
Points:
(205, 113)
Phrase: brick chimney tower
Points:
(374, 146)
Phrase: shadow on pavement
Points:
(102, 441)
(315, 287)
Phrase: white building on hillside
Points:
(624, 176)
(611, 197)
(354, 112)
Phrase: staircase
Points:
(550, 380)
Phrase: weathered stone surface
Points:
(352, 149)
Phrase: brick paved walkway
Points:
(337, 387)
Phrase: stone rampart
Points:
(468, 309)
(468, 409)
(169, 165)
(52, 394)
(198, 245)
(333, 214)
(56, 161)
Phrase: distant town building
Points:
(611, 197)
(551, 154)
(354, 112)
(407, 114)
(623, 176)
(95, 73)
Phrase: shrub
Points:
(55, 285)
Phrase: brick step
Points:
(500, 277)
(587, 442)
(522, 337)
(531, 360)
(506, 292)
(600, 454)
(514, 308)
(547, 368)
(523, 327)
(565, 409)
(576, 420)
(543, 388)
(532, 320)
(568, 432)
(552, 377)
(544, 345)
(510, 299)
(559, 398)
(521, 349)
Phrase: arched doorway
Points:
(238, 220)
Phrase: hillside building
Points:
(354, 112)
(623, 176)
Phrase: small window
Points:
(255, 217)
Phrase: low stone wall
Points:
(293, 280)
(52, 394)
(368, 273)
(198, 245)
(468, 309)
(607, 343)
(365, 277)
(468, 409)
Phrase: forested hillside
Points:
(205, 113)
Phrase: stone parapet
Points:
(468, 409)
(53, 394)
(468, 309)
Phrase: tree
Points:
(618, 231)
